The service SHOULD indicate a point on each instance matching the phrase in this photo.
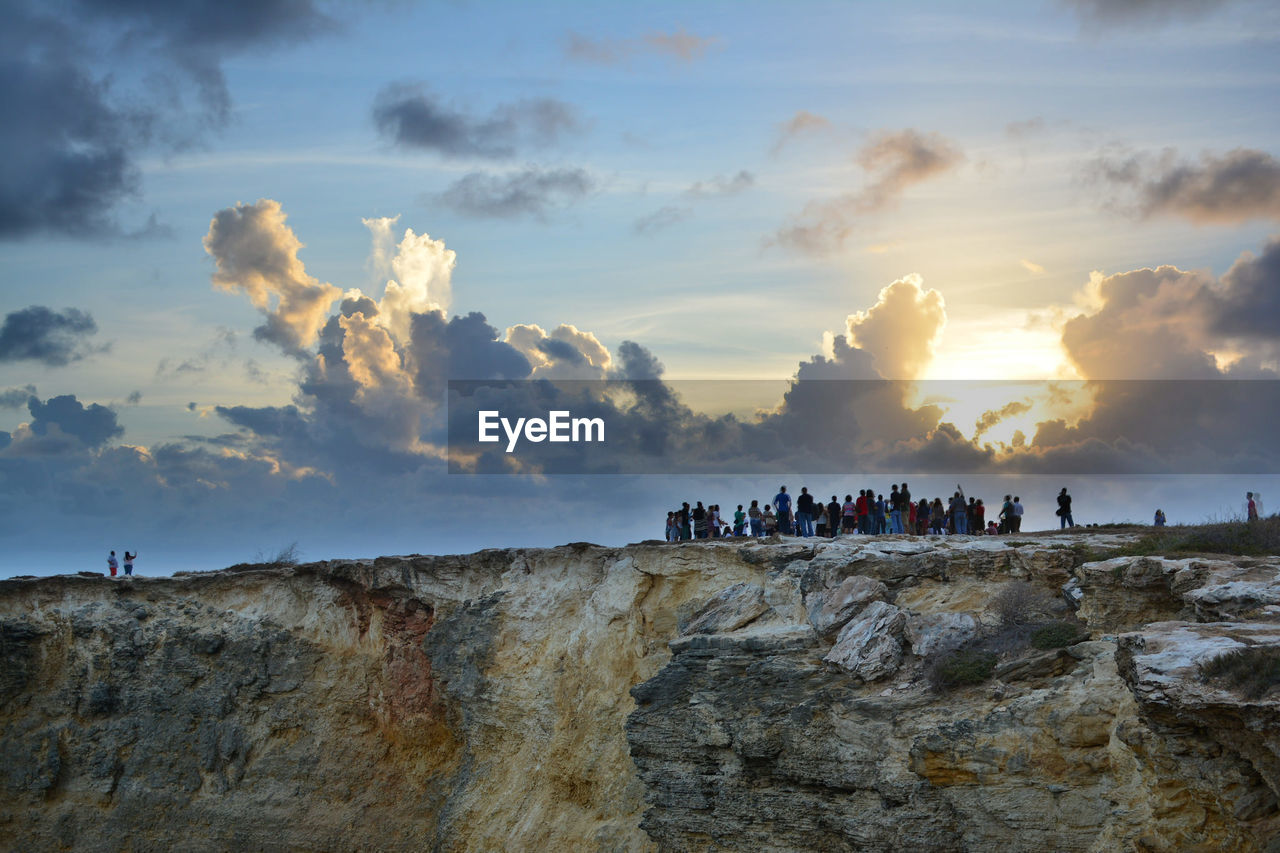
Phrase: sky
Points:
(245, 247)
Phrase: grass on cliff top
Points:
(1236, 538)
(285, 558)
(1254, 671)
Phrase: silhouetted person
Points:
(1064, 509)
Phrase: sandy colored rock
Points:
(545, 699)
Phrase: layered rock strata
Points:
(718, 695)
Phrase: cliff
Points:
(773, 696)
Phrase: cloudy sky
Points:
(245, 247)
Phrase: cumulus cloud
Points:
(1224, 189)
(1167, 323)
(55, 338)
(423, 275)
(661, 219)
(533, 192)
(59, 418)
(86, 87)
(902, 329)
(257, 253)
(893, 162)
(803, 123)
(411, 117)
(566, 353)
(679, 44)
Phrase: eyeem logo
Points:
(558, 426)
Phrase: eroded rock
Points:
(728, 610)
(931, 633)
(830, 609)
(869, 646)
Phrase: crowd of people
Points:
(869, 514)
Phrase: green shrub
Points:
(962, 667)
(1055, 635)
(1254, 671)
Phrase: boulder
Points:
(935, 632)
(830, 609)
(727, 610)
(869, 645)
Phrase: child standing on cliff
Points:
(112, 563)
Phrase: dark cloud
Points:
(1102, 13)
(893, 162)
(16, 398)
(55, 338)
(661, 219)
(680, 45)
(463, 347)
(1248, 303)
(1230, 188)
(87, 86)
(533, 192)
(93, 425)
(413, 118)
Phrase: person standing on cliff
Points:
(112, 563)
(1251, 507)
(804, 512)
(685, 533)
(1064, 509)
(833, 517)
(782, 503)
(128, 563)
(1017, 514)
(756, 519)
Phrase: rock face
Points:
(766, 696)
(870, 645)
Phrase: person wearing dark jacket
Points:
(804, 513)
(1064, 509)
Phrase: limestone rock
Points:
(869, 645)
(936, 632)
(728, 610)
(830, 609)
(546, 699)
